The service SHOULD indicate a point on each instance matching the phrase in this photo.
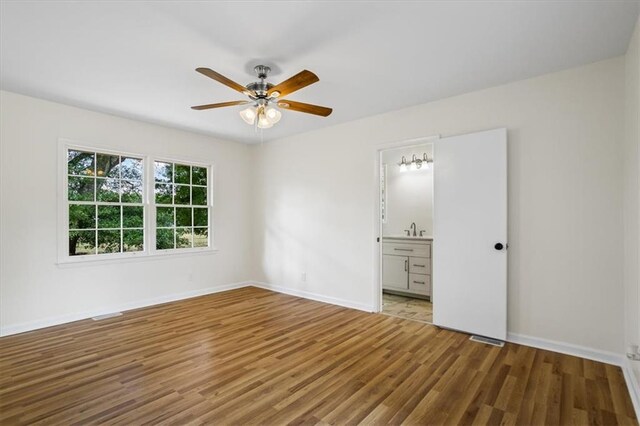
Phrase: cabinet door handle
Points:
(420, 266)
(418, 282)
(406, 265)
(401, 249)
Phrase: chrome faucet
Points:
(413, 226)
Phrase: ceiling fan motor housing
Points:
(261, 87)
(262, 71)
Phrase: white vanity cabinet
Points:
(406, 265)
(395, 272)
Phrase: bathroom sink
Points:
(404, 237)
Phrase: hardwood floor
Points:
(252, 356)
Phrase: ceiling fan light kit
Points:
(264, 96)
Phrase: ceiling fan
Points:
(263, 96)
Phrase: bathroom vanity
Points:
(406, 265)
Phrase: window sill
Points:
(93, 261)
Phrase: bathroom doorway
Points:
(442, 231)
(406, 215)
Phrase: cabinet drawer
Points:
(407, 249)
(420, 284)
(420, 265)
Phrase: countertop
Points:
(404, 237)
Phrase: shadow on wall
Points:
(287, 255)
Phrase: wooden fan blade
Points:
(297, 82)
(302, 107)
(224, 80)
(219, 105)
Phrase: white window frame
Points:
(148, 202)
(153, 205)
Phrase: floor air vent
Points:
(487, 340)
(105, 316)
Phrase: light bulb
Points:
(263, 122)
(425, 160)
(403, 164)
(413, 166)
(248, 115)
(273, 115)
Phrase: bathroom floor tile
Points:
(407, 307)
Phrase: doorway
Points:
(406, 207)
(449, 246)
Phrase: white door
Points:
(470, 233)
(395, 272)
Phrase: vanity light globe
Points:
(414, 166)
(273, 115)
(403, 167)
(248, 115)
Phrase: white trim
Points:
(64, 145)
(314, 296)
(632, 384)
(148, 204)
(110, 259)
(377, 200)
(566, 348)
(63, 319)
(589, 353)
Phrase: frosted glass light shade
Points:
(248, 115)
(272, 115)
(263, 122)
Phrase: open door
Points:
(470, 233)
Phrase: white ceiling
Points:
(137, 59)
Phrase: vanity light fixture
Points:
(415, 163)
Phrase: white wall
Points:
(565, 135)
(631, 195)
(317, 215)
(409, 194)
(33, 289)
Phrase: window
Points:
(119, 205)
(181, 206)
(104, 203)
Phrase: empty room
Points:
(320, 212)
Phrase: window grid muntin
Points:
(120, 203)
(173, 184)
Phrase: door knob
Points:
(499, 246)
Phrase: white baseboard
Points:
(589, 353)
(566, 348)
(632, 384)
(63, 319)
(315, 296)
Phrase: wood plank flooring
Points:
(251, 356)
